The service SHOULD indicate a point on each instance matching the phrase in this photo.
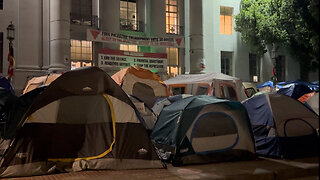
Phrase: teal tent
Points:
(203, 129)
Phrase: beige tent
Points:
(39, 81)
(215, 84)
(141, 83)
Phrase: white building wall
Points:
(214, 42)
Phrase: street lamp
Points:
(10, 32)
(10, 37)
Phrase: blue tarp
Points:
(313, 86)
(297, 88)
(265, 84)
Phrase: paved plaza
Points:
(259, 169)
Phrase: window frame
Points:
(174, 15)
(176, 61)
(78, 16)
(81, 60)
(223, 24)
(254, 62)
(128, 23)
(128, 47)
(223, 56)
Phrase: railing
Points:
(175, 29)
(84, 20)
(131, 25)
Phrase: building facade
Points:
(222, 49)
(169, 37)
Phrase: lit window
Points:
(172, 18)
(128, 47)
(226, 20)
(173, 62)
(128, 15)
(81, 53)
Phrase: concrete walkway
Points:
(260, 169)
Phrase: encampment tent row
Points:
(82, 120)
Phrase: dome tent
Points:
(82, 120)
(203, 129)
(282, 126)
(141, 83)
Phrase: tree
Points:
(291, 24)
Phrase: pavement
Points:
(259, 169)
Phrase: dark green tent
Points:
(203, 129)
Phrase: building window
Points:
(1, 52)
(226, 62)
(226, 20)
(128, 15)
(280, 68)
(128, 47)
(172, 18)
(1, 4)
(81, 53)
(81, 12)
(173, 68)
(254, 68)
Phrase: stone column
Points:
(59, 35)
(109, 13)
(196, 36)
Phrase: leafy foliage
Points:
(291, 24)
